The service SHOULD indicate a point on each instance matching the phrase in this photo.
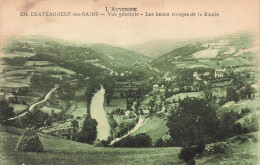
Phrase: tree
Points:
(35, 118)
(23, 91)
(159, 143)
(6, 112)
(227, 124)
(192, 123)
(88, 132)
(208, 95)
(29, 141)
(139, 140)
(232, 95)
(108, 86)
(75, 125)
(91, 88)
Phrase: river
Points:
(98, 113)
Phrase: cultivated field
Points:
(208, 53)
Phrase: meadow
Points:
(241, 150)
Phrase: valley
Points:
(114, 98)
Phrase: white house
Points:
(155, 87)
(219, 73)
(195, 74)
(2, 96)
(146, 112)
(37, 63)
(129, 114)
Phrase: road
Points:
(140, 123)
(35, 104)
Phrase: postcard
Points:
(129, 82)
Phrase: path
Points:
(35, 104)
(140, 123)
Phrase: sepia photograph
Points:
(109, 82)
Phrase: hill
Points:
(156, 48)
(118, 56)
(61, 151)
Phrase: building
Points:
(2, 96)
(219, 73)
(206, 74)
(129, 114)
(155, 87)
(146, 112)
(37, 63)
(195, 74)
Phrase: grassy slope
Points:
(239, 153)
(115, 103)
(118, 55)
(154, 127)
(61, 151)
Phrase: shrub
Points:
(187, 154)
(29, 141)
(159, 143)
(88, 133)
(139, 140)
(216, 148)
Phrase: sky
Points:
(234, 16)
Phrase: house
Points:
(129, 114)
(162, 89)
(9, 96)
(195, 74)
(155, 87)
(146, 112)
(2, 96)
(219, 73)
(206, 74)
(37, 63)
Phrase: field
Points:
(181, 96)
(115, 103)
(48, 110)
(240, 152)
(13, 82)
(154, 127)
(232, 62)
(231, 50)
(15, 78)
(18, 54)
(55, 68)
(18, 108)
(210, 63)
(189, 64)
(61, 151)
(242, 104)
(208, 53)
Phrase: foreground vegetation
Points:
(240, 150)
